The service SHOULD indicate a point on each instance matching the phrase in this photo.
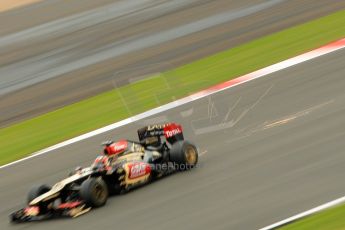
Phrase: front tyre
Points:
(36, 191)
(94, 192)
(184, 154)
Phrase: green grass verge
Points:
(330, 219)
(21, 139)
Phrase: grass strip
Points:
(330, 219)
(21, 139)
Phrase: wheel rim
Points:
(191, 155)
(99, 192)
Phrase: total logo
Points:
(170, 133)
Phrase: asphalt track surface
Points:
(55, 53)
(270, 148)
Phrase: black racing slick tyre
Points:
(94, 192)
(184, 155)
(36, 191)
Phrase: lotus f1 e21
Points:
(123, 165)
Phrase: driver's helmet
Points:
(101, 162)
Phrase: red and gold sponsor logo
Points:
(138, 169)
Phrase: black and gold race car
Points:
(124, 164)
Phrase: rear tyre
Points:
(94, 192)
(36, 191)
(184, 154)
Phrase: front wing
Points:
(32, 213)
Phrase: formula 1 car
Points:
(123, 165)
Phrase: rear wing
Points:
(171, 131)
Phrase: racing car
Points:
(123, 165)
